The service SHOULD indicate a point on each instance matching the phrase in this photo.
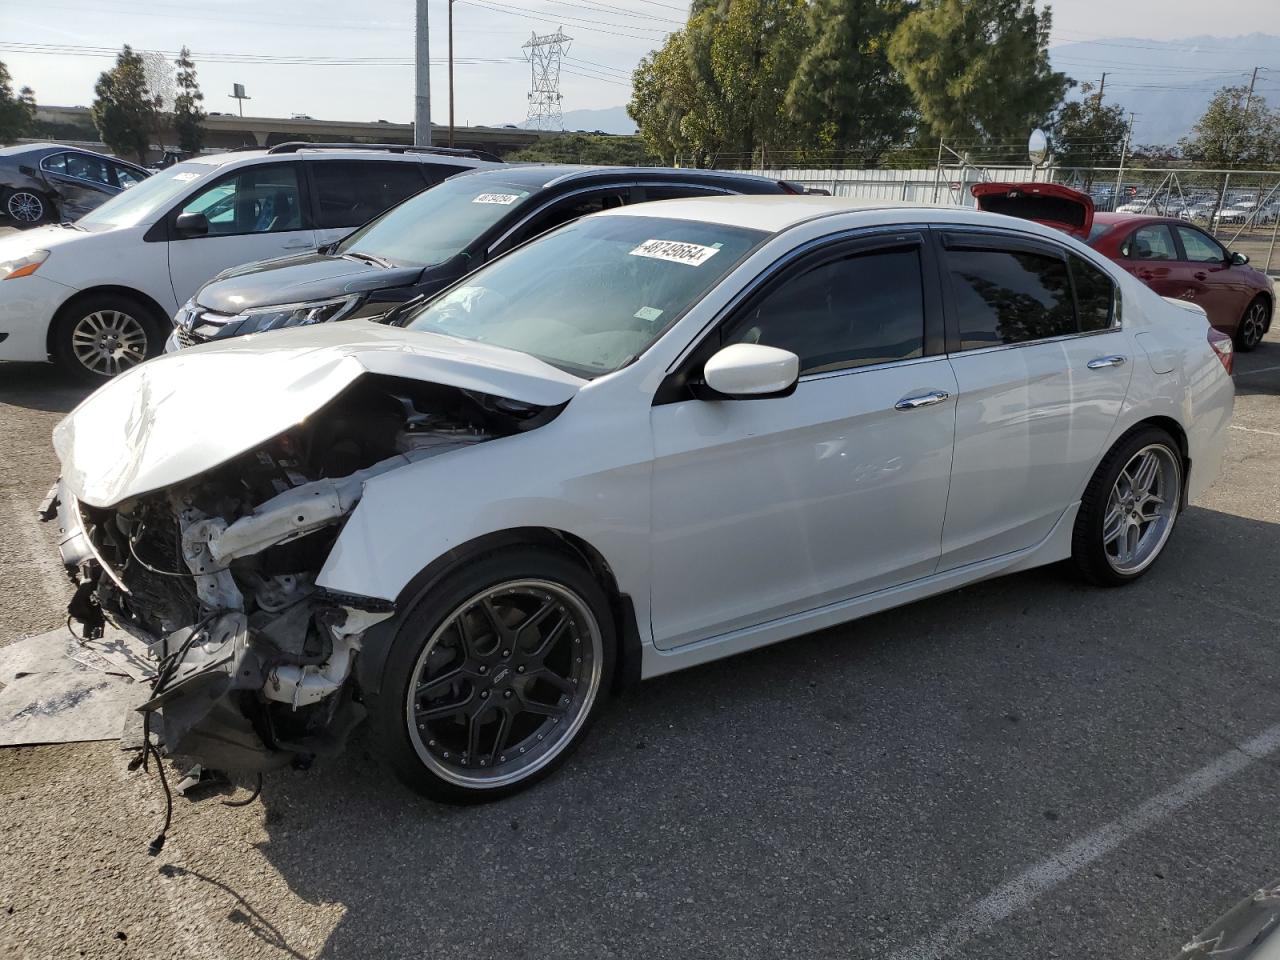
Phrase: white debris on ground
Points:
(57, 689)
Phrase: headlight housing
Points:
(296, 314)
(23, 266)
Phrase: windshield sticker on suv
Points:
(503, 198)
(648, 314)
(185, 176)
(690, 254)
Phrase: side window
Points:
(572, 209)
(126, 176)
(441, 171)
(1153, 242)
(1200, 248)
(1006, 296)
(87, 168)
(261, 199)
(351, 192)
(57, 163)
(1095, 295)
(861, 309)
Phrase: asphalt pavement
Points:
(1027, 768)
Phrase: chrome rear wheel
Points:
(1141, 509)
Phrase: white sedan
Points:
(654, 437)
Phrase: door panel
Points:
(1151, 255)
(1213, 283)
(1032, 416)
(256, 213)
(79, 182)
(765, 508)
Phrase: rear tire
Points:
(99, 336)
(28, 208)
(495, 676)
(1129, 508)
(1253, 324)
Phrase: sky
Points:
(353, 61)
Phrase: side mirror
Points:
(751, 371)
(192, 225)
(1239, 259)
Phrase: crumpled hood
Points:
(299, 279)
(182, 414)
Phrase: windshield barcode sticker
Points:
(691, 254)
(502, 198)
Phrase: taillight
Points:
(1223, 347)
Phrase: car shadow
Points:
(1258, 372)
(39, 386)
(831, 792)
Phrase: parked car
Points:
(97, 296)
(654, 437)
(45, 182)
(1175, 258)
(428, 242)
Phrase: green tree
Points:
(845, 95)
(1087, 132)
(588, 148)
(124, 110)
(716, 91)
(188, 115)
(17, 112)
(1229, 135)
(979, 69)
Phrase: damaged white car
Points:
(652, 438)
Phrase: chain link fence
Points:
(1239, 207)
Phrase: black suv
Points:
(430, 240)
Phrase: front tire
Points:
(495, 675)
(98, 337)
(1253, 324)
(1128, 510)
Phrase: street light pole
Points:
(451, 73)
(422, 79)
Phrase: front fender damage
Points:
(257, 665)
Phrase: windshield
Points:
(138, 203)
(593, 295)
(432, 226)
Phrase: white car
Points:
(654, 437)
(97, 295)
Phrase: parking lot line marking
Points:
(1250, 373)
(1269, 433)
(1033, 883)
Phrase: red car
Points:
(1172, 257)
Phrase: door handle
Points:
(1097, 363)
(1201, 276)
(922, 400)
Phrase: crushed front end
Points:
(256, 665)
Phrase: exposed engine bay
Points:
(255, 663)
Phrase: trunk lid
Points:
(1048, 203)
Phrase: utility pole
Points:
(422, 79)
(1244, 114)
(1124, 148)
(1102, 86)
(544, 54)
(451, 73)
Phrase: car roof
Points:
(253, 156)
(538, 176)
(22, 149)
(1126, 219)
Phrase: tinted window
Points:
(1095, 295)
(858, 310)
(442, 171)
(1153, 242)
(677, 191)
(593, 295)
(351, 192)
(1009, 297)
(571, 210)
(56, 163)
(127, 176)
(87, 168)
(1200, 248)
(262, 199)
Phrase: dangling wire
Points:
(252, 797)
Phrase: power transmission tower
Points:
(544, 54)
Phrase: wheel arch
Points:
(158, 313)
(377, 641)
(1172, 427)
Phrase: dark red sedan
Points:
(1172, 257)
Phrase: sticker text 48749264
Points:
(690, 254)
